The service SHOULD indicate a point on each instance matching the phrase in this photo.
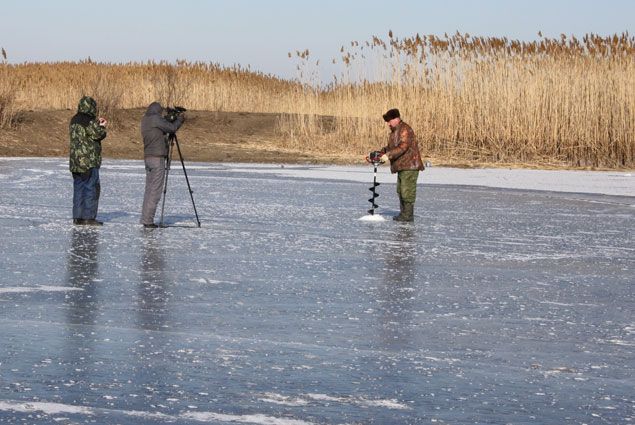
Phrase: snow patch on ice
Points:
(541, 319)
(444, 360)
(283, 400)
(568, 304)
(243, 419)
(621, 342)
(573, 181)
(44, 288)
(389, 404)
(372, 217)
(204, 281)
(46, 408)
(306, 399)
(360, 401)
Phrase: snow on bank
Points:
(594, 182)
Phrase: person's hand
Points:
(103, 121)
(384, 159)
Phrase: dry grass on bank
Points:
(559, 101)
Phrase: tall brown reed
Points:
(202, 86)
(565, 100)
(8, 109)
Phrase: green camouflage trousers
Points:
(407, 185)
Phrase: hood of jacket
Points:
(154, 108)
(88, 106)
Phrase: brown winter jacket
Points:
(402, 149)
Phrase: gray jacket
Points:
(154, 129)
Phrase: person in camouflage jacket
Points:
(403, 153)
(86, 133)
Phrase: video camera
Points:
(171, 114)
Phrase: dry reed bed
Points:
(8, 106)
(560, 101)
(196, 85)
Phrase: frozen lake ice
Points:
(498, 305)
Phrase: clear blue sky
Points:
(261, 33)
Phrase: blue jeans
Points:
(86, 190)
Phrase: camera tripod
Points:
(172, 141)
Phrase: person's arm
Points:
(167, 126)
(95, 131)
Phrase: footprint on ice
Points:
(373, 217)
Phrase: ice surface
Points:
(498, 305)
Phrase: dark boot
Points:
(408, 212)
(93, 222)
(78, 221)
(401, 206)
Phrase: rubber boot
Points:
(401, 206)
(408, 212)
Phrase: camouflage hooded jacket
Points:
(86, 135)
(402, 149)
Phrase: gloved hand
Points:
(384, 159)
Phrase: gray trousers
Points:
(155, 174)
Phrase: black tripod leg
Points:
(187, 180)
(165, 177)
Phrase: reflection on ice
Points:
(154, 290)
(286, 308)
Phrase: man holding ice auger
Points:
(403, 153)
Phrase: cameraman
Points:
(155, 130)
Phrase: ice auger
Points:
(374, 158)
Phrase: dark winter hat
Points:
(391, 115)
